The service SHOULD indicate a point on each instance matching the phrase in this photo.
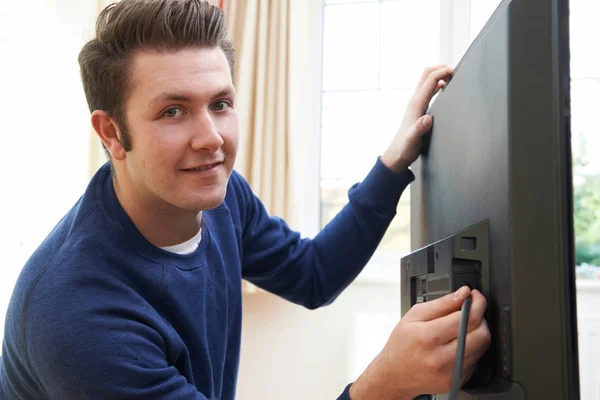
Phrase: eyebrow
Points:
(179, 97)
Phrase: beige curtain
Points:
(259, 30)
(276, 43)
(265, 47)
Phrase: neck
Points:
(160, 223)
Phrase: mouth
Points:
(205, 167)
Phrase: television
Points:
(491, 205)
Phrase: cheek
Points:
(155, 156)
(229, 130)
(166, 144)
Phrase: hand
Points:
(406, 145)
(419, 355)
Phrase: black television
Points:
(492, 202)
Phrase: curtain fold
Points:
(260, 32)
(278, 70)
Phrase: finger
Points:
(467, 374)
(441, 85)
(421, 127)
(478, 308)
(479, 339)
(445, 329)
(473, 357)
(427, 89)
(476, 344)
(451, 323)
(432, 85)
(428, 71)
(439, 307)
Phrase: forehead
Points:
(191, 71)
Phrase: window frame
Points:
(383, 267)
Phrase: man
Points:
(136, 293)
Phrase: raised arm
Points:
(312, 272)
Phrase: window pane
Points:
(334, 196)
(349, 134)
(392, 104)
(481, 11)
(351, 46)
(397, 237)
(585, 31)
(586, 174)
(403, 57)
(584, 124)
(341, 169)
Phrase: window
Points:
(585, 84)
(481, 11)
(371, 65)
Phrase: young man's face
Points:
(183, 126)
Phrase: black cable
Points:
(460, 350)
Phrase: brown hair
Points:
(156, 25)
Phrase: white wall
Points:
(292, 353)
(45, 125)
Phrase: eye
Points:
(221, 105)
(173, 112)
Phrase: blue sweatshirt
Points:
(98, 312)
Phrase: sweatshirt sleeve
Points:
(346, 394)
(313, 272)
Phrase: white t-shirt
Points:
(187, 247)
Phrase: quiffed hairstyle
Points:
(149, 25)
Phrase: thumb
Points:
(441, 307)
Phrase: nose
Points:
(205, 134)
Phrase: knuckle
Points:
(436, 365)
(487, 336)
(430, 340)
(417, 308)
(484, 302)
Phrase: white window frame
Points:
(454, 41)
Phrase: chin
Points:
(207, 202)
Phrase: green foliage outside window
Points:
(586, 207)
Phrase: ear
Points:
(108, 131)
